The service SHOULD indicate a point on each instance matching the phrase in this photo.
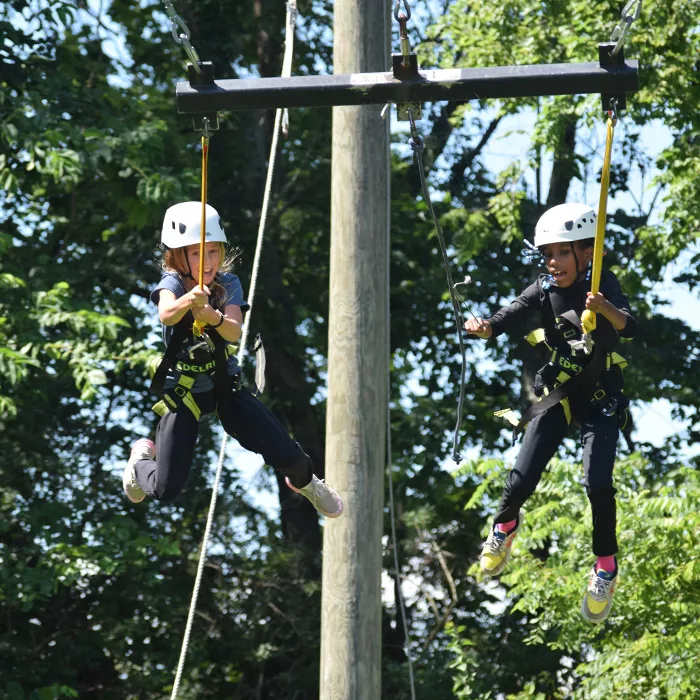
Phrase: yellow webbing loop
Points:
(198, 327)
(509, 414)
(615, 359)
(588, 318)
(165, 405)
(567, 410)
(153, 364)
(535, 337)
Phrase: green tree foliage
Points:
(95, 592)
(648, 646)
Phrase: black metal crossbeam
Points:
(423, 86)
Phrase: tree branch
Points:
(468, 157)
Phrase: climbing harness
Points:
(575, 374)
(280, 122)
(588, 378)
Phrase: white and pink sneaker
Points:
(323, 498)
(141, 449)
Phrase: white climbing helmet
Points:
(182, 225)
(566, 223)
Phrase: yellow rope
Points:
(198, 327)
(588, 318)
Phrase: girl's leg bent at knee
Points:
(257, 429)
(176, 437)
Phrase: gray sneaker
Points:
(141, 449)
(323, 498)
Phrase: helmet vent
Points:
(173, 223)
(569, 225)
(183, 228)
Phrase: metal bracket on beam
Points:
(406, 72)
(203, 79)
(612, 101)
(458, 84)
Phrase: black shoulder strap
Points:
(180, 333)
(588, 375)
(223, 382)
(572, 317)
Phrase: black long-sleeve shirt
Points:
(536, 298)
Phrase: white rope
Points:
(286, 72)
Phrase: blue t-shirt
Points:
(234, 295)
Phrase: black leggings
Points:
(246, 419)
(542, 438)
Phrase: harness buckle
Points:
(180, 390)
(599, 395)
(585, 345)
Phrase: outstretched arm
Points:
(506, 318)
(478, 327)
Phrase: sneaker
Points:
(599, 595)
(141, 449)
(323, 498)
(496, 550)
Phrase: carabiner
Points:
(206, 343)
(407, 9)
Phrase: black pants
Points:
(544, 434)
(246, 419)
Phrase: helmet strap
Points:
(579, 273)
(189, 267)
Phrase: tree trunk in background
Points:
(564, 167)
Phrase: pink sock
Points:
(606, 563)
(507, 527)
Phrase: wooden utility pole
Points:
(357, 367)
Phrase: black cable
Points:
(418, 146)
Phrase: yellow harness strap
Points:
(184, 395)
(537, 336)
